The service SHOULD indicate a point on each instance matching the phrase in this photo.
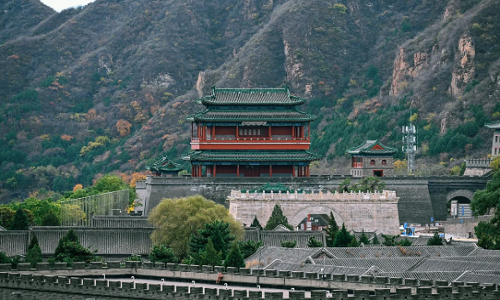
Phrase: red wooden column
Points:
(270, 170)
(213, 132)
(238, 170)
(270, 133)
(215, 169)
(200, 171)
(237, 133)
(193, 174)
(293, 170)
(307, 171)
(293, 132)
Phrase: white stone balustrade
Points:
(384, 196)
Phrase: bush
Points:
(162, 253)
(288, 244)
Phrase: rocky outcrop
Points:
(293, 68)
(403, 70)
(200, 84)
(464, 69)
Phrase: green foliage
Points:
(342, 238)
(404, 243)
(341, 8)
(486, 199)
(314, 243)
(34, 255)
(4, 259)
(405, 25)
(134, 258)
(47, 81)
(70, 250)
(375, 240)
(20, 221)
(6, 217)
(435, 240)
(51, 219)
(389, 240)
(210, 256)
(175, 220)
(363, 238)
(105, 184)
(345, 186)
(288, 244)
(331, 230)
(256, 223)
(33, 242)
(162, 253)
(366, 184)
(249, 247)
(219, 235)
(277, 218)
(353, 242)
(234, 258)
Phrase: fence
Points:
(79, 212)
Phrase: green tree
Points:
(234, 258)
(435, 240)
(331, 230)
(488, 198)
(6, 216)
(249, 247)
(210, 256)
(343, 238)
(20, 221)
(162, 253)
(33, 242)
(4, 259)
(218, 232)
(34, 255)
(345, 186)
(288, 244)
(389, 240)
(314, 243)
(70, 250)
(175, 220)
(256, 223)
(277, 218)
(353, 242)
(375, 240)
(369, 184)
(363, 238)
(406, 242)
(51, 219)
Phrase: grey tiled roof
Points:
(454, 265)
(277, 265)
(392, 264)
(480, 276)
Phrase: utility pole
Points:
(410, 145)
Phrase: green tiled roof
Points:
(366, 148)
(164, 165)
(276, 96)
(209, 115)
(493, 126)
(261, 156)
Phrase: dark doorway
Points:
(378, 173)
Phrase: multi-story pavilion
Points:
(251, 133)
(372, 158)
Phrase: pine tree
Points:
(406, 242)
(288, 244)
(256, 223)
(363, 238)
(435, 240)
(162, 253)
(210, 256)
(234, 258)
(70, 249)
(34, 255)
(313, 243)
(331, 230)
(353, 242)
(20, 221)
(51, 219)
(343, 238)
(389, 240)
(375, 240)
(33, 242)
(220, 235)
(277, 218)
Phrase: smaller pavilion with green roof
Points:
(251, 133)
(164, 167)
(372, 158)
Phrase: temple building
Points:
(250, 133)
(372, 158)
(164, 167)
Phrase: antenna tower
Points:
(410, 145)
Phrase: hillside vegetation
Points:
(105, 88)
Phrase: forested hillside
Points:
(105, 88)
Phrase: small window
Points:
(258, 132)
(245, 132)
(372, 162)
(384, 162)
(255, 132)
(496, 138)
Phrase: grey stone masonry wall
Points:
(368, 168)
(420, 197)
(105, 240)
(64, 284)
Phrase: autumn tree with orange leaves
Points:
(123, 127)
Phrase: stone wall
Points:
(65, 283)
(420, 197)
(463, 227)
(358, 211)
(117, 241)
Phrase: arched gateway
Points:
(358, 211)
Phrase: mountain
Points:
(106, 87)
